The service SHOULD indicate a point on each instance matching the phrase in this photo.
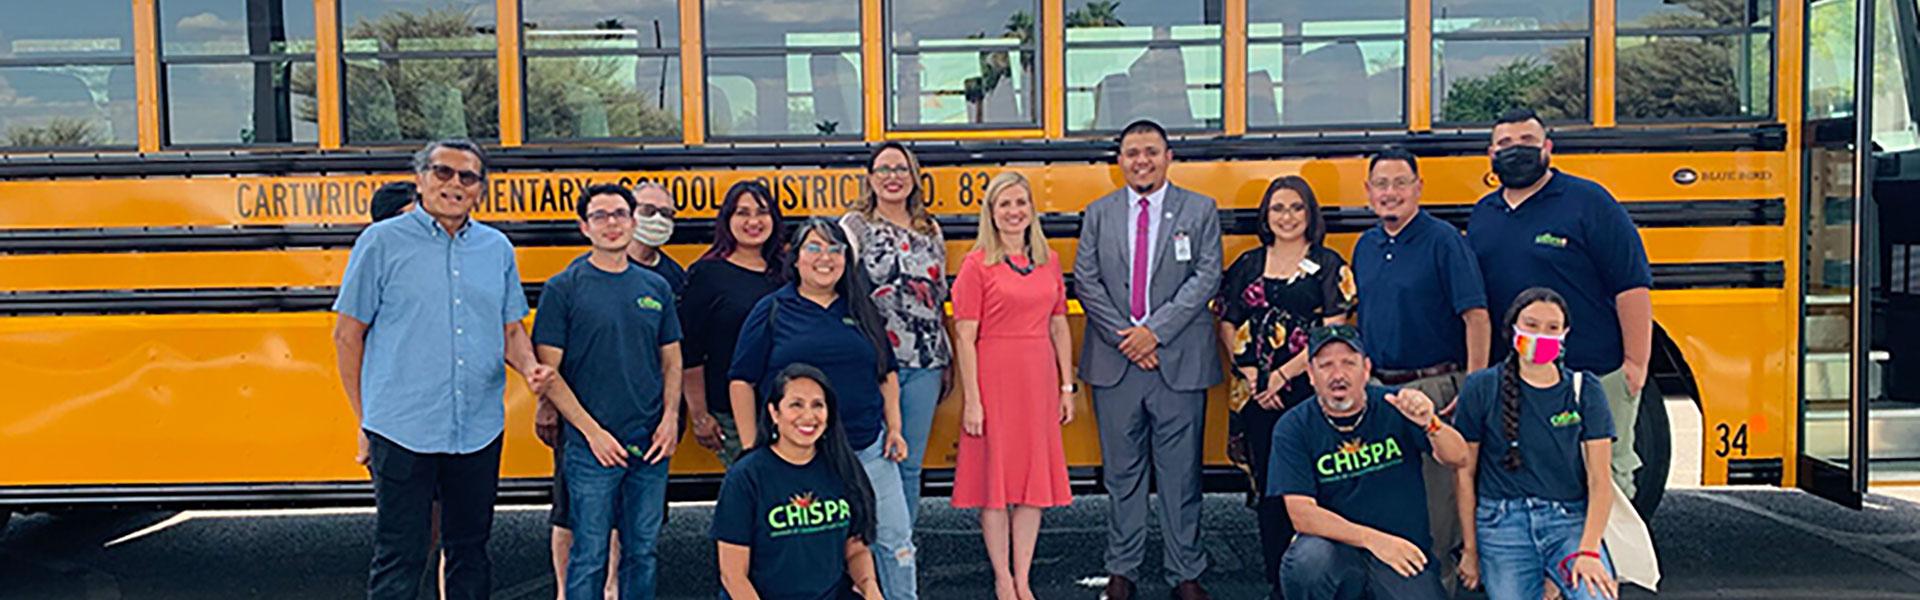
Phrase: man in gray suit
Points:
(1149, 260)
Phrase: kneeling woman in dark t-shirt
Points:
(796, 511)
(1539, 470)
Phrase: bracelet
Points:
(1433, 425)
(1567, 573)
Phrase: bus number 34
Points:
(1728, 443)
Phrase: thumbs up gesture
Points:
(1413, 404)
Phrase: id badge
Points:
(1182, 247)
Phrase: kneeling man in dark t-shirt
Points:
(1348, 466)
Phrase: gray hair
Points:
(651, 185)
(424, 158)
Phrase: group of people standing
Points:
(811, 360)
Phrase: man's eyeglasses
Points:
(819, 248)
(446, 173)
(603, 216)
(648, 210)
(1402, 183)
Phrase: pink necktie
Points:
(1140, 239)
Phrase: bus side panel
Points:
(1739, 347)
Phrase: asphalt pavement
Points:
(1719, 543)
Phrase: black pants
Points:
(1276, 528)
(405, 484)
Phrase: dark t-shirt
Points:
(1573, 237)
(794, 518)
(1371, 476)
(611, 326)
(670, 270)
(825, 337)
(666, 268)
(718, 297)
(1552, 428)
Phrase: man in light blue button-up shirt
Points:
(430, 315)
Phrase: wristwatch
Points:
(1069, 388)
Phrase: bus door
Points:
(1860, 281)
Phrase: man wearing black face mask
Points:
(1547, 228)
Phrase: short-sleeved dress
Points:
(1019, 460)
(1271, 317)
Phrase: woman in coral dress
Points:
(1010, 314)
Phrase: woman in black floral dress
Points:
(1269, 298)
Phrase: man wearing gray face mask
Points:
(653, 227)
(1551, 229)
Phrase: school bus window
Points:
(238, 71)
(602, 73)
(1694, 59)
(783, 70)
(1830, 60)
(69, 81)
(1132, 60)
(964, 63)
(1340, 63)
(417, 73)
(1491, 55)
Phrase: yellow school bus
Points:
(180, 181)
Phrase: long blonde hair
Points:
(916, 201)
(988, 241)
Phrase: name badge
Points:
(1308, 266)
(1182, 247)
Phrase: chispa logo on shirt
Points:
(803, 514)
(1548, 239)
(1356, 458)
(1565, 419)
(648, 303)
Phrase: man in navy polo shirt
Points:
(1348, 465)
(1424, 311)
(1547, 228)
(611, 329)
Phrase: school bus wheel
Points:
(1653, 441)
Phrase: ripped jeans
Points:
(893, 552)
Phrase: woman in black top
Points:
(746, 262)
(796, 512)
(1268, 300)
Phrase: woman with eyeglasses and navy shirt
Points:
(1539, 468)
(825, 317)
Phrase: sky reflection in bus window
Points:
(1326, 64)
(1132, 60)
(964, 63)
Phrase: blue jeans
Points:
(1522, 541)
(603, 499)
(919, 397)
(1316, 568)
(893, 552)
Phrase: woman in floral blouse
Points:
(1269, 298)
(906, 257)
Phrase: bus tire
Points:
(1653, 441)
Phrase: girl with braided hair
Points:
(1537, 482)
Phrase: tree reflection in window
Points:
(1694, 59)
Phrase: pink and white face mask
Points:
(1538, 348)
